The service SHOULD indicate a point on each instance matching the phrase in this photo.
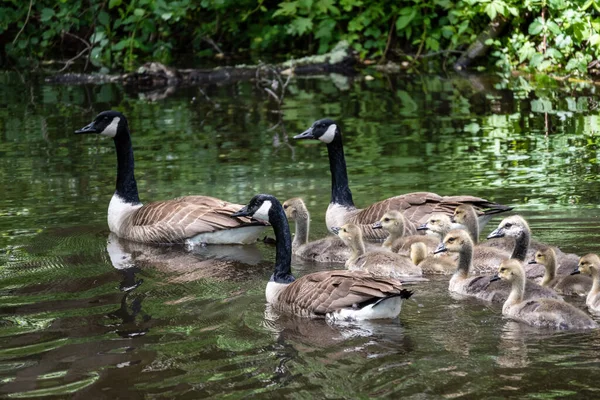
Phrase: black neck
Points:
(340, 191)
(126, 186)
(521, 246)
(283, 247)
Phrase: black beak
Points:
(377, 225)
(91, 128)
(242, 213)
(494, 278)
(496, 233)
(576, 271)
(440, 249)
(532, 262)
(307, 134)
(335, 230)
(452, 219)
(422, 227)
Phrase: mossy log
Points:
(478, 48)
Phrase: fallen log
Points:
(478, 48)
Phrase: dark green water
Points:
(85, 315)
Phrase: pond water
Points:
(84, 314)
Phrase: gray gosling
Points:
(466, 216)
(395, 224)
(541, 312)
(590, 265)
(567, 285)
(326, 250)
(430, 264)
(459, 241)
(380, 263)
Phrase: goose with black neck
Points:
(335, 295)
(416, 207)
(190, 219)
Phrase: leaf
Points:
(554, 53)
(491, 10)
(404, 20)
(553, 27)
(139, 12)
(114, 3)
(286, 9)
(47, 14)
(104, 18)
(97, 37)
(300, 25)
(536, 60)
(325, 29)
(594, 39)
(166, 16)
(536, 27)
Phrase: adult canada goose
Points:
(590, 265)
(336, 295)
(541, 312)
(430, 264)
(189, 219)
(394, 223)
(378, 262)
(567, 284)
(415, 206)
(330, 249)
(459, 241)
(516, 227)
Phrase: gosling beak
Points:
(452, 219)
(496, 233)
(494, 278)
(242, 213)
(90, 128)
(576, 271)
(307, 134)
(377, 225)
(532, 262)
(335, 230)
(440, 248)
(422, 227)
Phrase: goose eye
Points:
(285, 206)
(508, 225)
(386, 219)
(451, 240)
(344, 230)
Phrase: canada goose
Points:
(394, 223)
(459, 241)
(189, 219)
(568, 284)
(336, 295)
(378, 262)
(590, 265)
(541, 312)
(430, 264)
(415, 206)
(326, 250)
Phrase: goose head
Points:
(392, 221)
(513, 226)
(588, 264)
(324, 130)
(261, 207)
(462, 214)
(509, 270)
(543, 256)
(108, 123)
(454, 242)
(437, 223)
(295, 209)
(350, 234)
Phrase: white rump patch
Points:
(329, 134)
(387, 309)
(263, 212)
(273, 290)
(111, 130)
(118, 210)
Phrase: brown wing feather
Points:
(185, 217)
(416, 208)
(327, 291)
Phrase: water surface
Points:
(83, 313)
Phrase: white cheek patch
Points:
(111, 130)
(329, 134)
(263, 212)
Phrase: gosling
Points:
(395, 224)
(590, 265)
(431, 264)
(568, 285)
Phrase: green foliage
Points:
(543, 35)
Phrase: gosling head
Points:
(392, 221)
(543, 256)
(108, 123)
(509, 270)
(588, 265)
(437, 223)
(295, 209)
(350, 234)
(462, 213)
(455, 241)
(324, 130)
(513, 226)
